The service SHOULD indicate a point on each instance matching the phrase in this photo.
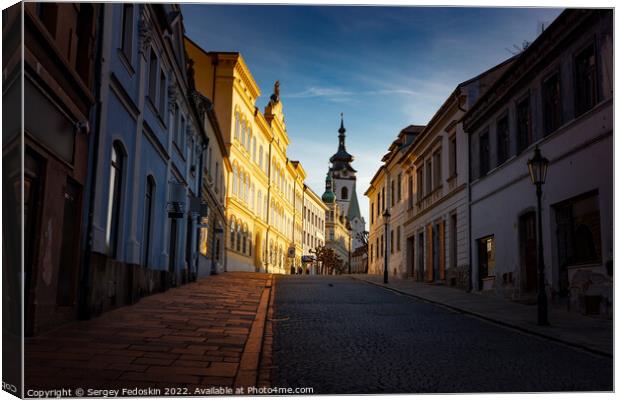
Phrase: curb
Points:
(248, 366)
(493, 320)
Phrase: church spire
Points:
(342, 159)
(341, 135)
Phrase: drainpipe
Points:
(84, 311)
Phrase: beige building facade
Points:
(264, 199)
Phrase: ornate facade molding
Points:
(173, 94)
(145, 31)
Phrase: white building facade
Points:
(558, 96)
(313, 232)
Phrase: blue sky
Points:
(383, 67)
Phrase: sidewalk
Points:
(573, 329)
(200, 335)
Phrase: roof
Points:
(354, 208)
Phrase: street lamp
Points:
(537, 167)
(386, 220)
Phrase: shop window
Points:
(579, 230)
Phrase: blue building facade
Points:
(149, 151)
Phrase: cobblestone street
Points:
(188, 337)
(339, 335)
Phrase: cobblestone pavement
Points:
(188, 337)
(339, 335)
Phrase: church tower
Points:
(344, 186)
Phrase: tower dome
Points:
(329, 197)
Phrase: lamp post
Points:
(537, 167)
(386, 220)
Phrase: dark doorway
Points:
(188, 250)
(420, 276)
(148, 220)
(527, 239)
(435, 252)
(172, 249)
(411, 257)
(486, 259)
(33, 192)
(68, 268)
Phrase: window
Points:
(524, 125)
(153, 76)
(391, 241)
(436, 170)
(398, 238)
(503, 142)
(234, 180)
(232, 234)
(484, 153)
(372, 213)
(585, 80)
(260, 157)
(383, 198)
(452, 165)
(344, 193)
(399, 188)
(47, 13)
(181, 141)
(237, 125)
(83, 32)
(552, 111)
(127, 30)
(579, 230)
(420, 182)
(429, 177)
(410, 191)
(115, 198)
(162, 93)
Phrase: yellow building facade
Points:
(264, 200)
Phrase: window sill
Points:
(126, 63)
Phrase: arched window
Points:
(243, 133)
(260, 157)
(259, 204)
(117, 163)
(244, 240)
(148, 218)
(237, 125)
(232, 232)
(234, 181)
(254, 149)
(238, 236)
(344, 193)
